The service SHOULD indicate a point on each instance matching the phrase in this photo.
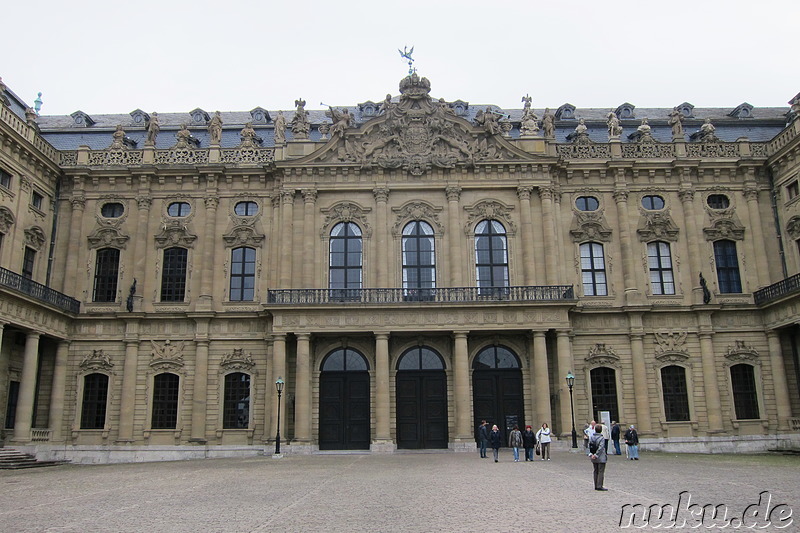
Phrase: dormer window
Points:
(744, 110)
(368, 108)
(199, 116)
(260, 115)
(81, 120)
(565, 112)
(625, 111)
(460, 108)
(139, 118)
(686, 109)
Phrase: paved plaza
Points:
(425, 492)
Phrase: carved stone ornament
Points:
(740, 352)
(346, 212)
(6, 219)
(601, 355)
(417, 211)
(671, 343)
(175, 234)
(656, 225)
(590, 226)
(490, 210)
(243, 234)
(166, 356)
(237, 360)
(97, 360)
(417, 134)
(106, 236)
(793, 227)
(724, 225)
(35, 237)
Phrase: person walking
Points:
(543, 437)
(528, 442)
(483, 437)
(597, 454)
(615, 438)
(515, 442)
(606, 436)
(495, 440)
(632, 441)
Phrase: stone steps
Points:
(11, 459)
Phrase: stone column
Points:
(710, 381)
(302, 390)
(74, 248)
(200, 394)
(127, 406)
(453, 193)
(461, 387)
(57, 393)
(278, 371)
(778, 373)
(641, 396)
(27, 389)
(209, 240)
(541, 380)
(548, 223)
(693, 238)
(757, 234)
(381, 194)
(632, 294)
(274, 273)
(526, 234)
(287, 237)
(382, 400)
(309, 240)
(564, 349)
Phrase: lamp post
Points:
(278, 387)
(570, 383)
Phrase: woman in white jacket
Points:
(543, 438)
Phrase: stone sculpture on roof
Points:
(215, 128)
(341, 121)
(489, 120)
(549, 124)
(644, 130)
(118, 139)
(280, 128)
(185, 138)
(707, 132)
(581, 129)
(614, 127)
(152, 130)
(530, 122)
(249, 137)
(300, 124)
(3, 97)
(676, 121)
(30, 116)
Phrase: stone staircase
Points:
(11, 459)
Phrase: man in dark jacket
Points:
(597, 454)
(615, 438)
(528, 442)
(496, 440)
(483, 437)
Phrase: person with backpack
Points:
(597, 454)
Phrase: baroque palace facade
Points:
(407, 268)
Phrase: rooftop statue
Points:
(215, 128)
(549, 124)
(341, 121)
(249, 137)
(3, 97)
(489, 120)
(581, 128)
(280, 128)
(707, 132)
(152, 130)
(300, 124)
(530, 122)
(387, 104)
(30, 116)
(676, 121)
(118, 142)
(644, 128)
(614, 127)
(185, 138)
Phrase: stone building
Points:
(407, 268)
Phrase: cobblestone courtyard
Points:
(425, 492)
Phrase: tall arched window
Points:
(675, 393)
(95, 398)
(243, 274)
(165, 401)
(106, 272)
(593, 269)
(173, 276)
(659, 261)
(727, 267)
(745, 396)
(491, 254)
(345, 260)
(419, 261)
(236, 407)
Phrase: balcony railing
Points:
(777, 290)
(547, 293)
(12, 280)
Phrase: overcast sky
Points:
(104, 56)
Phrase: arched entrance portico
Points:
(421, 395)
(344, 414)
(497, 389)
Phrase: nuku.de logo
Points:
(693, 516)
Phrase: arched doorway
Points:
(421, 397)
(497, 389)
(344, 401)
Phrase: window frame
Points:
(601, 387)
(650, 198)
(658, 271)
(715, 197)
(95, 407)
(181, 205)
(495, 269)
(173, 276)
(5, 178)
(248, 204)
(414, 286)
(593, 271)
(166, 401)
(37, 200)
(240, 274)
(232, 401)
(28, 263)
(105, 281)
(726, 263)
(745, 402)
(677, 407)
(117, 207)
(345, 280)
(585, 201)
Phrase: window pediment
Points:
(107, 236)
(35, 237)
(175, 234)
(346, 212)
(657, 225)
(237, 360)
(671, 346)
(590, 226)
(417, 211)
(97, 360)
(166, 356)
(6, 219)
(243, 235)
(489, 210)
(602, 355)
(740, 352)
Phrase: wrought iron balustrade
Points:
(26, 286)
(777, 290)
(546, 293)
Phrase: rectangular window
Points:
(37, 200)
(5, 179)
(676, 396)
(173, 277)
(243, 274)
(105, 275)
(165, 401)
(727, 267)
(236, 410)
(95, 396)
(659, 261)
(792, 190)
(745, 397)
(593, 269)
(27, 263)
(11, 406)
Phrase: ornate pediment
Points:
(106, 236)
(35, 237)
(656, 225)
(243, 235)
(175, 234)
(793, 227)
(724, 225)
(418, 134)
(590, 226)
(97, 360)
(166, 356)
(236, 360)
(491, 210)
(6, 219)
(740, 352)
(346, 212)
(671, 346)
(602, 355)
(417, 211)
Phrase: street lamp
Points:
(278, 387)
(570, 383)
